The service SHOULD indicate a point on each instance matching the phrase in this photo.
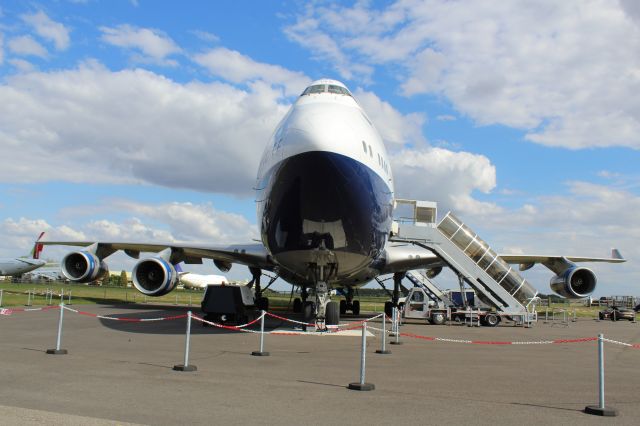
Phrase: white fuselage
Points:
(325, 182)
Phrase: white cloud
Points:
(49, 29)
(154, 45)
(206, 36)
(27, 46)
(448, 177)
(396, 129)
(93, 125)
(21, 65)
(562, 71)
(446, 117)
(235, 67)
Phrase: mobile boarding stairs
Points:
(495, 282)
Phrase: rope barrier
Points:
(125, 319)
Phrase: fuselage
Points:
(19, 266)
(325, 183)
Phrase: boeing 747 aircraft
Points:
(16, 266)
(325, 199)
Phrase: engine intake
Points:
(574, 283)
(83, 267)
(154, 276)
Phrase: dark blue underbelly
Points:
(321, 199)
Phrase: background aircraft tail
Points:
(615, 254)
(37, 247)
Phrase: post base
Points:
(395, 343)
(181, 367)
(597, 411)
(258, 353)
(361, 386)
(385, 352)
(57, 351)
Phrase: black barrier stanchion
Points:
(186, 366)
(261, 352)
(361, 385)
(600, 409)
(57, 350)
(383, 350)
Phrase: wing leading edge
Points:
(252, 255)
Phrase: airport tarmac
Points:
(121, 372)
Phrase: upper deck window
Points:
(318, 88)
(338, 90)
(324, 88)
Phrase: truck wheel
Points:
(388, 309)
(491, 320)
(297, 305)
(438, 318)
(332, 315)
(343, 307)
(356, 307)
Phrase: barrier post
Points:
(69, 301)
(57, 350)
(1, 291)
(186, 366)
(397, 333)
(61, 295)
(383, 350)
(261, 352)
(393, 322)
(361, 385)
(29, 299)
(600, 409)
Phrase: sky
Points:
(146, 120)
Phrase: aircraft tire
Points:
(297, 305)
(356, 307)
(308, 312)
(388, 308)
(343, 307)
(332, 314)
(263, 303)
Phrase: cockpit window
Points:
(338, 90)
(324, 88)
(318, 88)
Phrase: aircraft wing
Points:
(528, 261)
(253, 255)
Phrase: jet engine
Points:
(222, 265)
(154, 276)
(83, 267)
(433, 272)
(574, 283)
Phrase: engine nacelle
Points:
(154, 276)
(433, 272)
(574, 283)
(83, 267)
(222, 265)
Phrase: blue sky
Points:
(146, 120)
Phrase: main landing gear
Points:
(261, 302)
(349, 304)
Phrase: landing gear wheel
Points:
(491, 320)
(308, 312)
(438, 318)
(343, 307)
(332, 315)
(388, 309)
(297, 305)
(262, 303)
(356, 307)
